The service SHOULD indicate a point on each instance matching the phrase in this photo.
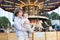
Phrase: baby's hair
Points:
(25, 13)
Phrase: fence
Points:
(35, 36)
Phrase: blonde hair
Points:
(25, 14)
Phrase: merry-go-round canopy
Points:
(44, 5)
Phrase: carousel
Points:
(37, 9)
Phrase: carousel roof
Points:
(44, 5)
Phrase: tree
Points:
(59, 17)
(54, 16)
(4, 22)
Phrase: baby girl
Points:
(26, 23)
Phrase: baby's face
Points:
(26, 15)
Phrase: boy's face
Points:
(20, 14)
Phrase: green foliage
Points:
(4, 22)
(49, 22)
(59, 17)
(54, 16)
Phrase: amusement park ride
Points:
(42, 5)
(35, 8)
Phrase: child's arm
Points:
(29, 29)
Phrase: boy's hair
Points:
(17, 10)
